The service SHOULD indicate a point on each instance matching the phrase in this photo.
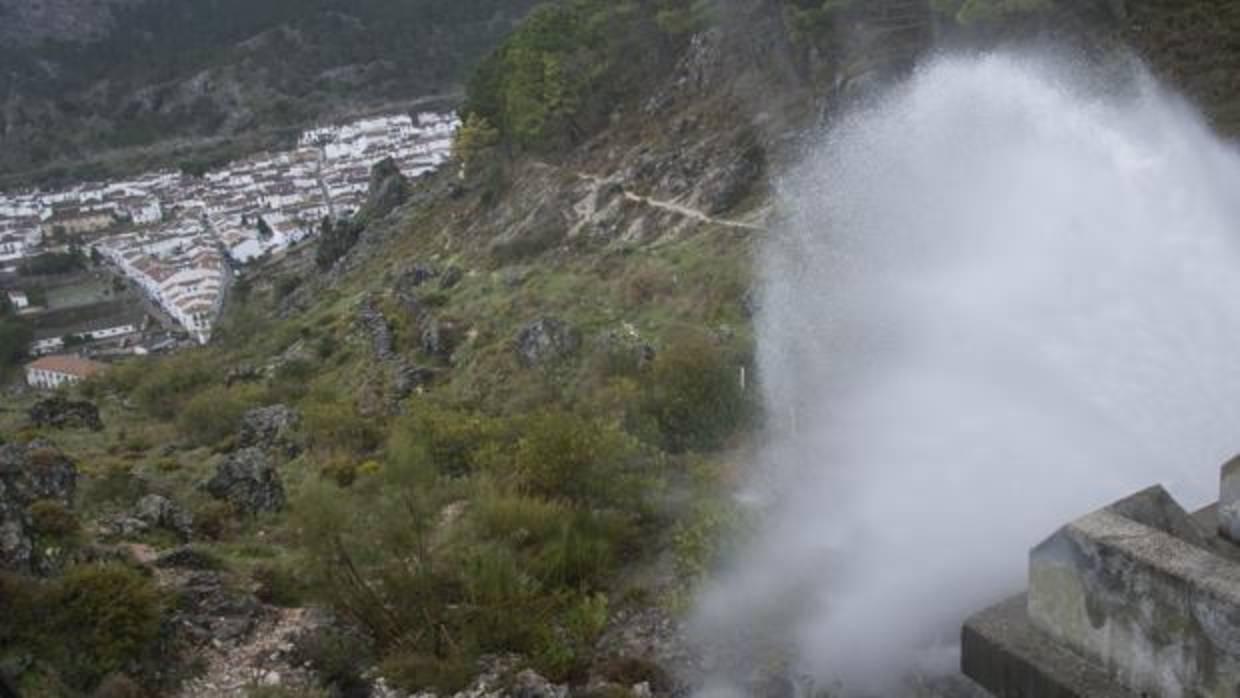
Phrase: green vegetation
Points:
(557, 79)
(94, 621)
(291, 62)
(15, 337)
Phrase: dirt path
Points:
(260, 661)
(661, 204)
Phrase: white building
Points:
(51, 372)
(18, 300)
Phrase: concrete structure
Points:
(51, 372)
(1137, 599)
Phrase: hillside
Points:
(94, 87)
(485, 434)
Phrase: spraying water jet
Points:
(1004, 295)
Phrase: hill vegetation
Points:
(520, 396)
(178, 75)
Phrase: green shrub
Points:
(168, 382)
(279, 586)
(338, 426)
(214, 414)
(566, 455)
(692, 396)
(103, 617)
(414, 671)
(215, 519)
(52, 518)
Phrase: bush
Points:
(214, 414)
(417, 671)
(166, 384)
(692, 396)
(104, 616)
(565, 455)
(338, 426)
(52, 518)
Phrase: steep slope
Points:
(503, 410)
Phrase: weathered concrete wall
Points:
(1003, 652)
(1229, 500)
(1160, 614)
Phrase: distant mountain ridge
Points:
(82, 79)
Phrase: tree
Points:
(15, 338)
(264, 230)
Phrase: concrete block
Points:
(1158, 613)
(1004, 653)
(1229, 500)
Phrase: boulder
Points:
(248, 480)
(529, 684)
(59, 412)
(377, 328)
(388, 190)
(546, 340)
(29, 473)
(272, 428)
(157, 511)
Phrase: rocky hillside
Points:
(90, 86)
(479, 441)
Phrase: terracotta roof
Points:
(69, 365)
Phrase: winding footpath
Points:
(661, 204)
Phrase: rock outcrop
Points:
(59, 412)
(157, 511)
(272, 428)
(249, 481)
(388, 190)
(28, 474)
(546, 340)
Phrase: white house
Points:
(51, 372)
(18, 300)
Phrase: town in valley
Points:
(144, 264)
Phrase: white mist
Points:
(1005, 296)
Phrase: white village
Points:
(178, 239)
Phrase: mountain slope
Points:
(506, 413)
(144, 72)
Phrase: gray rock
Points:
(272, 428)
(545, 340)
(157, 511)
(248, 480)
(529, 684)
(29, 473)
(377, 328)
(388, 190)
(59, 412)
